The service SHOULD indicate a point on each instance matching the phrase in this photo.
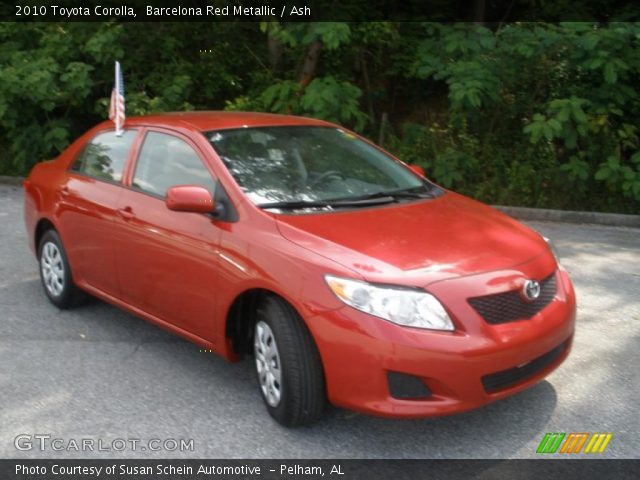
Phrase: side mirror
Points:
(417, 169)
(189, 198)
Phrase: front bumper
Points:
(358, 351)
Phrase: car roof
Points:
(218, 120)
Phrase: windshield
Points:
(308, 164)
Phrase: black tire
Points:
(302, 386)
(68, 294)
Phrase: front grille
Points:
(507, 378)
(510, 306)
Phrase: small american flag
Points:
(116, 107)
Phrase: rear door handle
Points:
(126, 213)
(64, 191)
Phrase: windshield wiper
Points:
(354, 202)
(404, 193)
(375, 198)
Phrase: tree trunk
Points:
(310, 63)
(367, 86)
(275, 52)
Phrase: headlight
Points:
(553, 249)
(402, 306)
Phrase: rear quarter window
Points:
(104, 157)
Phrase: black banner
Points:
(495, 12)
(315, 469)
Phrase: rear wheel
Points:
(55, 272)
(288, 365)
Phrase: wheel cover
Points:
(52, 268)
(268, 363)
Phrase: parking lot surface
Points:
(97, 372)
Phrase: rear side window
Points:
(165, 161)
(104, 157)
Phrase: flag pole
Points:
(116, 106)
(118, 90)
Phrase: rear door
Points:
(167, 260)
(88, 202)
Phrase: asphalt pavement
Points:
(99, 373)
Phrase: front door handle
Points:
(126, 213)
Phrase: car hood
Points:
(417, 242)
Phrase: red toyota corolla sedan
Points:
(348, 276)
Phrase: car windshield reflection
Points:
(307, 164)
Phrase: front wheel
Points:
(55, 272)
(288, 365)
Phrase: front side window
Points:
(104, 157)
(165, 161)
(307, 164)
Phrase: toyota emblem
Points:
(531, 290)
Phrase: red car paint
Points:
(183, 271)
(189, 198)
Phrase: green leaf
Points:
(602, 174)
(555, 125)
(590, 41)
(593, 63)
(579, 115)
(571, 139)
(610, 75)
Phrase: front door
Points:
(166, 260)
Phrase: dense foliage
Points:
(535, 114)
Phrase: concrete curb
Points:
(6, 180)
(569, 216)
(520, 213)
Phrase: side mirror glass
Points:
(417, 169)
(189, 198)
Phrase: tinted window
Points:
(165, 161)
(104, 156)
